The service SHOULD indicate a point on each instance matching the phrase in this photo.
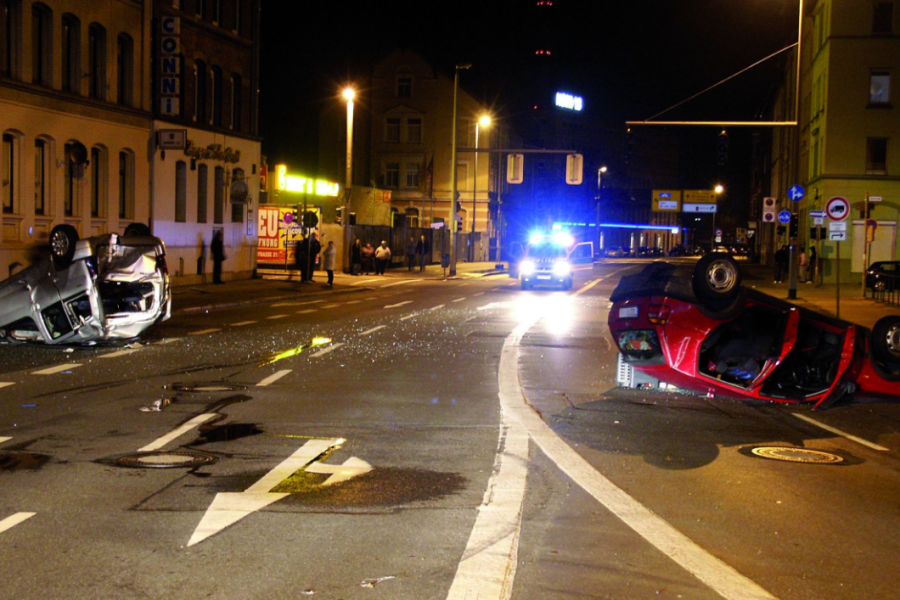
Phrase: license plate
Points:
(544, 277)
(628, 312)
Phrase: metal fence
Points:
(886, 289)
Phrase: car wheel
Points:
(880, 286)
(62, 245)
(716, 277)
(886, 341)
(137, 229)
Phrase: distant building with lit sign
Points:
(568, 101)
(304, 185)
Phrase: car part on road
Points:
(63, 239)
(886, 341)
(716, 277)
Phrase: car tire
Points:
(62, 245)
(879, 286)
(716, 278)
(886, 341)
(137, 229)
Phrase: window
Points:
(202, 192)
(404, 86)
(391, 175)
(71, 44)
(412, 217)
(217, 11)
(883, 17)
(237, 208)
(876, 156)
(40, 176)
(200, 91)
(126, 185)
(9, 172)
(199, 6)
(414, 131)
(392, 130)
(124, 69)
(236, 106)
(412, 175)
(98, 182)
(9, 30)
(180, 192)
(41, 44)
(237, 17)
(216, 73)
(97, 61)
(73, 172)
(880, 87)
(219, 196)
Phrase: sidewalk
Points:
(276, 286)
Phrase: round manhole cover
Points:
(166, 460)
(208, 387)
(800, 455)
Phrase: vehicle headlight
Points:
(527, 267)
(561, 268)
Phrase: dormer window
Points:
(404, 86)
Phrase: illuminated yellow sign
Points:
(304, 185)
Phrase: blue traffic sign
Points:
(784, 216)
(796, 193)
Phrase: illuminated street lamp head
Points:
(484, 121)
(463, 66)
(719, 189)
(349, 94)
(603, 169)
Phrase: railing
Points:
(887, 289)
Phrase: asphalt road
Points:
(479, 448)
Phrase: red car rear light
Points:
(658, 313)
(161, 263)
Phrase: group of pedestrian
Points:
(806, 262)
(417, 253)
(307, 256)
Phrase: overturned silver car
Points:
(105, 287)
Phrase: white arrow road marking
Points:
(373, 330)
(326, 350)
(204, 331)
(242, 323)
(398, 304)
(10, 522)
(273, 378)
(177, 432)
(228, 508)
(351, 468)
(3, 384)
(56, 369)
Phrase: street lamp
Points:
(483, 121)
(349, 94)
(454, 194)
(719, 190)
(600, 173)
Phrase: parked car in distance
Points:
(740, 250)
(656, 252)
(88, 290)
(701, 249)
(678, 250)
(883, 276)
(722, 249)
(618, 252)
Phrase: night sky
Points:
(629, 59)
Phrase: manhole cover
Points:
(208, 387)
(801, 455)
(166, 460)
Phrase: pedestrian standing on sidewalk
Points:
(781, 260)
(368, 255)
(328, 258)
(804, 264)
(217, 248)
(314, 249)
(410, 253)
(382, 258)
(301, 259)
(356, 258)
(422, 251)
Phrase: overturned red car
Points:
(697, 328)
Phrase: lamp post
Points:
(349, 94)
(719, 190)
(483, 121)
(454, 194)
(600, 173)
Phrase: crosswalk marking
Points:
(56, 369)
(330, 305)
(273, 378)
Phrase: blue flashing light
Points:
(536, 238)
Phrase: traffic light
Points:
(310, 219)
(339, 215)
(794, 226)
(722, 149)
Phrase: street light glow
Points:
(349, 94)
(484, 121)
(719, 189)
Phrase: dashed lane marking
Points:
(478, 294)
(242, 323)
(159, 443)
(167, 341)
(306, 311)
(120, 353)
(4, 439)
(324, 306)
(459, 299)
(373, 330)
(56, 369)
(4, 384)
(354, 302)
(409, 316)
(366, 281)
(437, 307)
(841, 433)
(204, 331)
(10, 522)
(326, 350)
(273, 378)
(276, 317)
(401, 282)
(398, 304)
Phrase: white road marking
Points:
(484, 574)
(120, 353)
(4, 384)
(273, 378)
(167, 341)
(228, 508)
(10, 522)
(373, 330)
(326, 350)
(837, 431)
(478, 294)
(276, 317)
(351, 468)
(204, 331)
(4, 439)
(354, 302)
(493, 305)
(177, 432)
(437, 307)
(306, 311)
(459, 299)
(279, 304)
(401, 282)
(330, 305)
(366, 281)
(398, 304)
(310, 302)
(409, 316)
(242, 323)
(56, 369)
